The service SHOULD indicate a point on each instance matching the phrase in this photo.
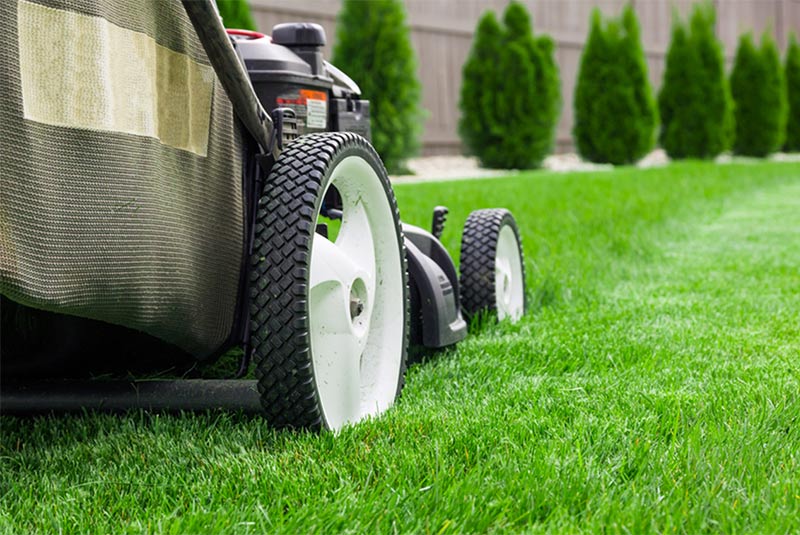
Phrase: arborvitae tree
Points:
(548, 81)
(695, 103)
(531, 91)
(776, 84)
(615, 113)
(481, 73)
(682, 127)
(719, 126)
(792, 75)
(510, 95)
(747, 79)
(374, 48)
(634, 62)
(759, 94)
(593, 70)
(236, 14)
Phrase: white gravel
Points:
(443, 168)
(785, 157)
(446, 168)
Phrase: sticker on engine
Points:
(311, 108)
(316, 108)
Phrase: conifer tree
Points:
(510, 95)
(593, 69)
(715, 89)
(373, 47)
(236, 14)
(481, 74)
(531, 94)
(645, 111)
(695, 102)
(615, 113)
(792, 75)
(682, 129)
(759, 94)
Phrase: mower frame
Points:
(434, 295)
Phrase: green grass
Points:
(652, 388)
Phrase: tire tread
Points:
(477, 261)
(279, 272)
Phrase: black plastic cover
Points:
(298, 34)
(432, 275)
(264, 56)
(351, 115)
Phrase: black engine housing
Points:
(288, 71)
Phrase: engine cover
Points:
(288, 71)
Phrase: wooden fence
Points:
(441, 31)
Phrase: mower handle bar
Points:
(230, 71)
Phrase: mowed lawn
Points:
(653, 387)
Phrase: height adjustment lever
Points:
(439, 219)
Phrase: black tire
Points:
(280, 274)
(478, 261)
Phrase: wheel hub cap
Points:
(509, 286)
(356, 306)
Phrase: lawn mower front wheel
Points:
(492, 268)
(329, 317)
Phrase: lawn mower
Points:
(172, 190)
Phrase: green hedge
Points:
(510, 94)
(236, 14)
(615, 112)
(373, 47)
(792, 74)
(695, 102)
(759, 95)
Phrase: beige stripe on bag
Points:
(80, 71)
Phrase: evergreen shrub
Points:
(373, 47)
(510, 93)
(792, 75)
(615, 112)
(759, 96)
(695, 103)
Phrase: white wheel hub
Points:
(509, 286)
(355, 300)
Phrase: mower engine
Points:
(288, 72)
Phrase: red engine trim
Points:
(245, 33)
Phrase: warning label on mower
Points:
(317, 111)
(310, 106)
